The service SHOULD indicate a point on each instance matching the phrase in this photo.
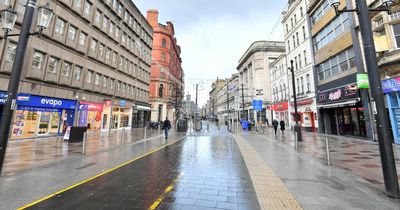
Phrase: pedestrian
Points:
(166, 126)
(217, 122)
(282, 124)
(267, 122)
(275, 124)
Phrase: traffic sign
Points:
(257, 105)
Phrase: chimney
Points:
(152, 17)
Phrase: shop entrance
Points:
(347, 121)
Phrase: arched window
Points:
(161, 91)
(284, 90)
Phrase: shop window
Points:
(10, 52)
(54, 65)
(89, 77)
(87, 9)
(82, 39)
(97, 80)
(37, 61)
(59, 27)
(77, 73)
(66, 70)
(71, 33)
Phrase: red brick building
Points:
(167, 77)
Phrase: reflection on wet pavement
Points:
(199, 172)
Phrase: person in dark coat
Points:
(275, 125)
(166, 126)
(282, 124)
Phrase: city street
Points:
(202, 170)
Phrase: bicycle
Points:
(257, 129)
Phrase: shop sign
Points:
(3, 97)
(391, 85)
(45, 102)
(122, 103)
(282, 106)
(362, 81)
(38, 109)
(338, 94)
(90, 106)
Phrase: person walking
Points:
(275, 125)
(166, 126)
(282, 124)
(217, 122)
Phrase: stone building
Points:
(93, 62)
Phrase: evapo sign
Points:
(46, 102)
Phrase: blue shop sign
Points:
(27, 100)
(122, 103)
(391, 85)
(3, 97)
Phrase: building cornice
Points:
(261, 46)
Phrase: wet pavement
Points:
(32, 153)
(202, 171)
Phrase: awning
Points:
(341, 104)
(145, 108)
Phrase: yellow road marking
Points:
(162, 196)
(96, 176)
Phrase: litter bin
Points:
(182, 126)
(76, 134)
(245, 124)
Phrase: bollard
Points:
(145, 132)
(208, 126)
(328, 153)
(84, 143)
(295, 140)
(158, 129)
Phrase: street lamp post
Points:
(8, 18)
(296, 128)
(382, 123)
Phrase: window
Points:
(308, 83)
(320, 12)
(300, 60)
(101, 49)
(114, 60)
(287, 28)
(82, 39)
(297, 38)
(295, 18)
(301, 12)
(97, 16)
(59, 27)
(93, 45)
(396, 31)
(97, 79)
(37, 61)
(295, 61)
(337, 64)
(291, 21)
(118, 86)
(305, 57)
(115, 4)
(164, 43)
(71, 33)
(331, 31)
(87, 9)
(54, 65)
(120, 9)
(10, 53)
(294, 42)
(163, 57)
(298, 85)
(105, 82)
(77, 73)
(77, 3)
(111, 28)
(105, 22)
(111, 84)
(89, 76)
(304, 32)
(161, 91)
(117, 29)
(302, 84)
(21, 6)
(66, 70)
(123, 88)
(108, 52)
(288, 44)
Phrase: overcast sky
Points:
(214, 34)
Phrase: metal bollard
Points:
(145, 132)
(84, 143)
(328, 153)
(124, 135)
(295, 140)
(158, 129)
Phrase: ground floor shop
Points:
(280, 111)
(140, 115)
(38, 116)
(90, 114)
(341, 112)
(391, 89)
(307, 114)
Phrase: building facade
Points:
(386, 29)
(254, 76)
(279, 107)
(298, 50)
(343, 108)
(90, 68)
(214, 101)
(166, 87)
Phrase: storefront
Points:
(90, 115)
(3, 97)
(121, 114)
(307, 114)
(391, 87)
(140, 115)
(41, 116)
(342, 112)
(280, 111)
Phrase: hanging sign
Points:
(362, 81)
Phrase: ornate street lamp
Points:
(382, 123)
(8, 18)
